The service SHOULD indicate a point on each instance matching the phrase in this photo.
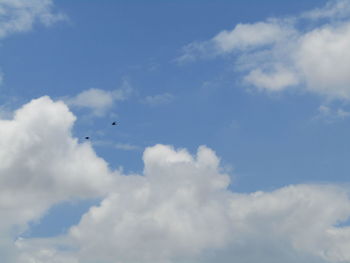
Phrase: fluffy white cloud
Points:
(181, 210)
(280, 54)
(245, 36)
(280, 78)
(323, 60)
(42, 164)
(157, 216)
(21, 15)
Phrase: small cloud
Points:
(95, 99)
(22, 15)
(343, 114)
(330, 115)
(158, 99)
(99, 101)
(332, 9)
(279, 79)
(192, 51)
(127, 147)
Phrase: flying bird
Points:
(87, 137)
(114, 123)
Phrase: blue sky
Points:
(112, 42)
(262, 86)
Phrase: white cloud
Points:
(21, 15)
(181, 210)
(159, 99)
(280, 78)
(329, 115)
(280, 54)
(245, 36)
(242, 38)
(42, 164)
(18, 16)
(99, 101)
(333, 9)
(324, 60)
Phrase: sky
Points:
(231, 143)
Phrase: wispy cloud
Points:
(127, 147)
(281, 53)
(338, 9)
(99, 101)
(18, 16)
(21, 15)
(159, 99)
(330, 115)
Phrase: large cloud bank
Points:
(283, 53)
(179, 210)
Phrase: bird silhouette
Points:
(87, 137)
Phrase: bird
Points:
(114, 123)
(87, 137)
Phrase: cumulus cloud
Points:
(279, 53)
(99, 101)
(324, 60)
(21, 15)
(42, 164)
(181, 210)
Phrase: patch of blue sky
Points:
(59, 219)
